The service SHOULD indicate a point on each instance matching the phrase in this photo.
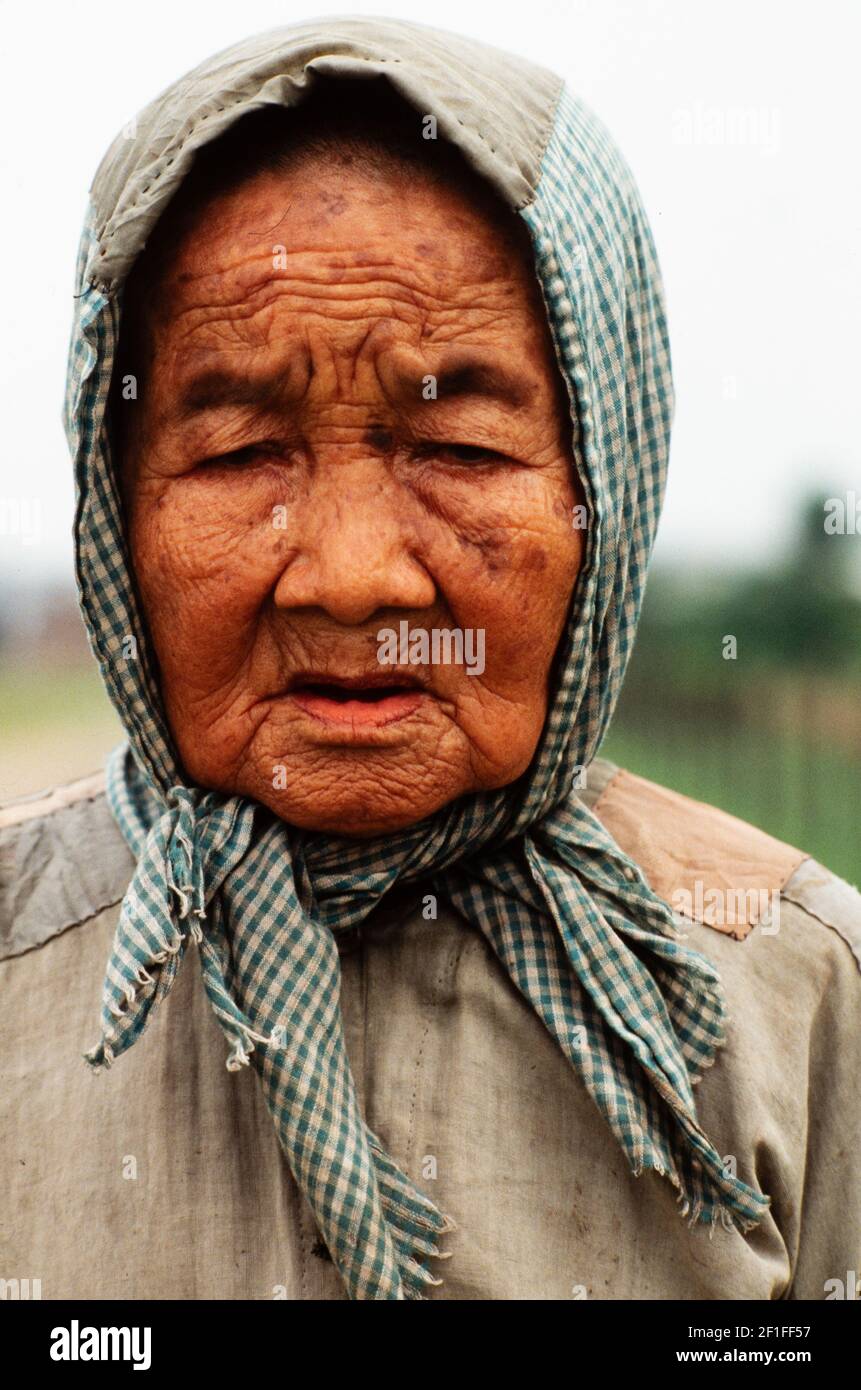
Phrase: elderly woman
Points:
(369, 400)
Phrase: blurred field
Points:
(56, 724)
(800, 790)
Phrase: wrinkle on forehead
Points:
(316, 183)
(432, 254)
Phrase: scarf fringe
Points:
(415, 1279)
(414, 1221)
(701, 1205)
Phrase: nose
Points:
(352, 546)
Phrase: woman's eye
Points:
(249, 453)
(463, 453)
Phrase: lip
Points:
(307, 692)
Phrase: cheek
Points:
(506, 556)
(206, 550)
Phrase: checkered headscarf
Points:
(569, 915)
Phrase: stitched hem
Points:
(36, 799)
(545, 141)
(17, 951)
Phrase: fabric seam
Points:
(54, 810)
(554, 112)
(17, 952)
(823, 921)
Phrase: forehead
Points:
(323, 232)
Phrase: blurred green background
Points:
(772, 736)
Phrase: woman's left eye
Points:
(464, 453)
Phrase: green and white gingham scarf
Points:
(570, 917)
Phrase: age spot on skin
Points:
(493, 552)
(379, 438)
(535, 558)
(333, 204)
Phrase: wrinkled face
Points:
(350, 498)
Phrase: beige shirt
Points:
(163, 1177)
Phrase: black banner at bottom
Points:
(279, 1339)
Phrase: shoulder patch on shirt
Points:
(709, 866)
(62, 861)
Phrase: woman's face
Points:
(349, 421)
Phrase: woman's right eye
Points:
(249, 453)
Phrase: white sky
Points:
(758, 234)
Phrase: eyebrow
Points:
(216, 387)
(465, 375)
(471, 375)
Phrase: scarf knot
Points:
(184, 867)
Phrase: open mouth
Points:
(343, 694)
(367, 702)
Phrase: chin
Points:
(345, 799)
(350, 811)
(357, 792)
